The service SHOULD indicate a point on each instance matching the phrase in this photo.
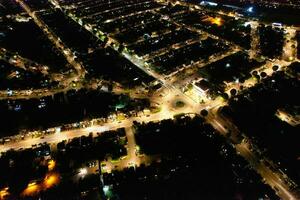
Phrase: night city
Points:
(149, 100)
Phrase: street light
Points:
(250, 9)
(82, 171)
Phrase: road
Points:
(272, 177)
(254, 51)
(141, 39)
(132, 159)
(66, 82)
(290, 30)
(188, 74)
(250, 82)
(290, 45)
(166, 49)
(23, 63)
(67, 135)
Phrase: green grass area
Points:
(156, 110)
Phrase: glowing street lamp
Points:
(32, 188)
(51, 165)
(4, 193)
(83, 172)
(51, 180)
(250, 9)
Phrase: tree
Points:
(257, 77)
(254, 73)
(275, 68)
(225, 96)
(263, 74)
(121, 48)
(204, 113)
(105, 40)
(233, 92)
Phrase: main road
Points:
(166, 113)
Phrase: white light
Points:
(204, 3)
(212, 4)
(275, 24)
(105, 188)
(9, 92)
(250, 9)
(58, 130)
(247, 23)
(83, 171)
(97, 129)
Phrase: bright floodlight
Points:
(105, 189)
(247, 24)
(250, 9)
(83, 171)
(57, 130)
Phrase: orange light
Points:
(32, 189)
(51, 180)
(4, 193)
(31, 184)
(231, 14)
(51, 165)
(215, 20)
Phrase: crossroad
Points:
(66, 82)
(271, 176)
